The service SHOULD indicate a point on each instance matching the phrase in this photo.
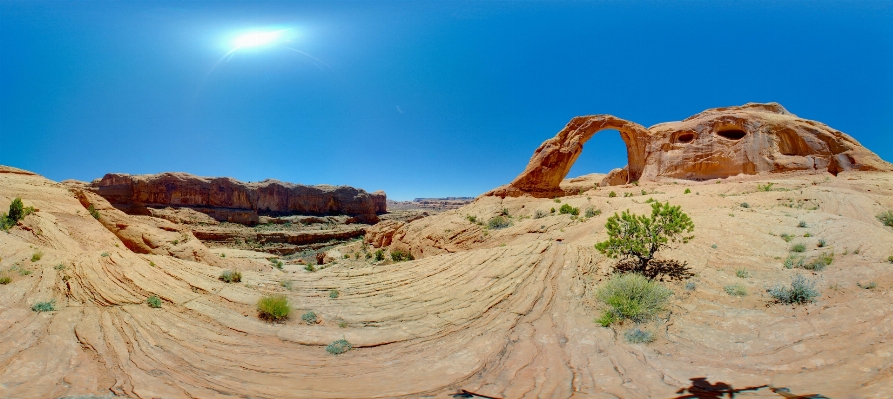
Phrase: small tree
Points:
(639, 237)
(16, 210)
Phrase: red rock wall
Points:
(228, 196)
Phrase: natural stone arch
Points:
(553, 159)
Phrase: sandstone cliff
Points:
(227, 199)
(717, 143)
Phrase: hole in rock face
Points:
(685, 138)
(732, 134)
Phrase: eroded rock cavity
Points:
(720, 142)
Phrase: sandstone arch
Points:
(717, 143)
(553, 159)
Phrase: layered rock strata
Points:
(226, 199)
(717, 143)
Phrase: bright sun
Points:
(255, 39)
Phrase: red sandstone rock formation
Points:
(227, 199)
(717, 143)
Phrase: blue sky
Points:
(420, 99)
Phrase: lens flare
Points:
(255, 39)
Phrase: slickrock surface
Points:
(717, 143)
(227, 199)
(506, 313)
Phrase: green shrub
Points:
(309, 317)
(644, 192)
(557, 200)
(890, 259)
(742, 273)
(273, 307)
(793, 261)
(93, 212)
(276, 263)
(567, 209)
(690, 286)
(60, 266)
(48, 306)
(820, 262)
(472, 219)
(801, 291)
(637, 336)
(338, 347)
(231, 276)
(505, 212)
(802, 224)
(639, 237)
(822, 242)
(16, 210)
(287, 284)
(5, 279)
(735, 290)
(745, 205)
(807, 235)
(498, 222)
(333, 293)
(400, 256)
(612, 194)
(379, 255)
(104, 254)
(798, 247)
(154, 301)
(870, 286)
(539, 214)
(787, 237)
(591, 212)
(222, 255)
(886, 218)
(631, 296)
(310, 268)
(552, 210)
(36, 256)
(767, 187)
(687, 191)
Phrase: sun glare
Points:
(255, 39)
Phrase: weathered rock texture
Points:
(717, 143)
(227, 199)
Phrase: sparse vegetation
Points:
(687, 191)
(338, 347)
(310, 268)
(802, 224)
(552, 210)
(742, 273)
(276, 263)
(231, 276)
(5, 279)
(799, 247)
(886, 218)
(592, 212)
(309, 317)
(807, 235)
(787, 237)
(735, 289)
(631, 296)
(557, 200)
(273, 307)
(287, 284)
(745, 205)
(637, 336)
(767, 187)
(400, 256)
(566, 209)
(93, 212)
(801, 291)
(498, 222)
(822, 242)
(639, 237)
(539, 214)
(333, 293)
(890, 259)
(612, 194)
(17, 211)
(870, 286)
(472, 219)
(36, 255)
(819, 263)
(379, 255)
(47, 306)
(690, 286)
(60, 266)
(104, 254)
(154, 301)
